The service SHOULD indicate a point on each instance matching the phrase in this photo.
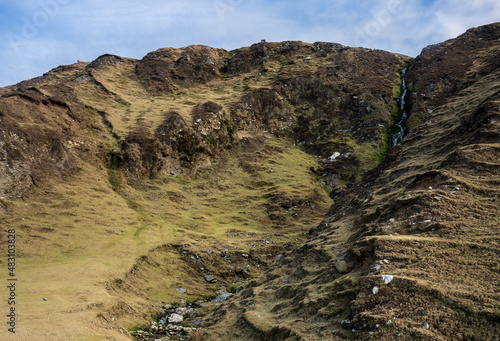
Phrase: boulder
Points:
(175, 318)
(210, 279)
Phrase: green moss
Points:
(115, 178)
(384, 147)
(207, 298)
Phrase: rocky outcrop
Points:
(168, 69)
(177, 145)
(40, 132)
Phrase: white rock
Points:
(387, 278)
(181, 311)
(334, 156)
(175, 318)
(377, 267)
(375, 290)
(221, 298)
(181, 290)
(386, 261)
(426, 326)
(210, 278)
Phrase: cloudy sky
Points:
(38, 35)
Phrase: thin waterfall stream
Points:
(400, 126)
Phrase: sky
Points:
(39, 35)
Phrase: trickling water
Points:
(397, 137)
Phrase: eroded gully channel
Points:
(400, 127)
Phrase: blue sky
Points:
(38, 35)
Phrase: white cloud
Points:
(454, 17)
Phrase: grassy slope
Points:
(76, 235)
(102, 258)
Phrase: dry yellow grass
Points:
(104, 251)
(77, 235)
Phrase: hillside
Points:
(410, 252)
(135, 187)
(132, 184)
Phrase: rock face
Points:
(167, 70)
(428, 215)
(28, 151)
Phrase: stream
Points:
(400, 126)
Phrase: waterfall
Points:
(400, 126)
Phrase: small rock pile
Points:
(176, 323)
(167, 332)
(168, 327)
